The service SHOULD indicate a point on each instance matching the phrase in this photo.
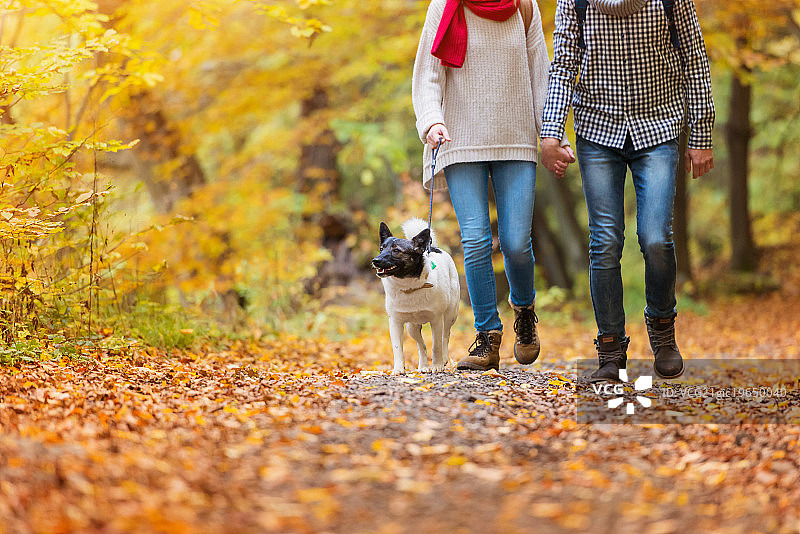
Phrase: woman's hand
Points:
(556, 158)
(437, 132)
(567, 157)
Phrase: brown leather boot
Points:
(669, 363)
(612, 356)
(484, 353)
(526, 346)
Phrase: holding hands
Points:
(556, 158)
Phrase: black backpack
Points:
(669, 10)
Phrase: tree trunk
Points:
(680, 220)
(160, 144)
(5, 116)
(554, 194)
(738, 133)
(318, 174)
(548, 252)
(317, 170)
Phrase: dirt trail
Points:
(309, 436)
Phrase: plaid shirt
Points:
(632, 80)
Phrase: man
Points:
(641, 63)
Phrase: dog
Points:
(421, 287)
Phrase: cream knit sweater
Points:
(492, 106)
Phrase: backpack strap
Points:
(580, 9)
(669, 11)
(526, 10)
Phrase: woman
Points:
(480, 83)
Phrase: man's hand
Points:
(555, 157)
(699, 161)
(437, 132)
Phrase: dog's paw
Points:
(424, 369)
(398, 371)
(438, 368)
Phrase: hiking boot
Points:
(484, 353)
(612, 356)
(526, 346)
(669, 363)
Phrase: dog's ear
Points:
(421, 240)
(384, 233)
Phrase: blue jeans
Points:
(513, 183)
(654, 171)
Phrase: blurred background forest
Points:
(178, 171)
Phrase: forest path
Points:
(312, 436)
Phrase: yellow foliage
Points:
(49, 199)
(248, 238)
(749, 34)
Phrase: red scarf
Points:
(450, 44)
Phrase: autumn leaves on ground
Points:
(298, 435)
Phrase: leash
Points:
(433, 173)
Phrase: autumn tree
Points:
(54, 256)
(234, 116)
(747, 37)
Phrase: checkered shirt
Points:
(632, 80)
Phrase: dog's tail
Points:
(414, 226)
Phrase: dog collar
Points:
(424, 286)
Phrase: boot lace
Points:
(524, 325)
(662, 338)
(616, 356)
(481, 345)
(619, 356)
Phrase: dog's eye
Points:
(396, 252)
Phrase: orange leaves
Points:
(292, 435)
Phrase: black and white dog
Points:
(421, 287)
